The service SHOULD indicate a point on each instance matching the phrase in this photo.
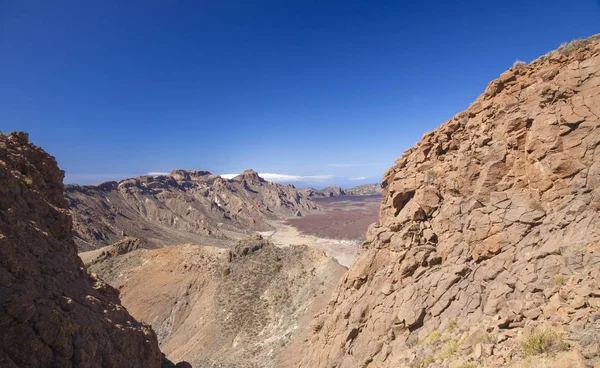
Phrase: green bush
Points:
(543, 341)
(448, 349)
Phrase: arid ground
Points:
(339, 230)
(345, 217)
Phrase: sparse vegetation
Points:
(543, 341)
(559, 280)
(226, 272)
(468, 365)
(486, 338)
(451, 326)
(423, 362)
(448, 349)
(519, 64)
(277, 267)
(567, 48)
(430, 176)
(431, 339)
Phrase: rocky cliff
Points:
(52, 312)
(185, 206)
(487, 252)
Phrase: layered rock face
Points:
(52, 312)
(185, 206)
(489, 233)
(249, 306)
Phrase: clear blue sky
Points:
(329, 88)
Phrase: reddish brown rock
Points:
(488, 226)
(182, 207)
(52, 312)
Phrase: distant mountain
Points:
(334, 191)
(182, 207)
(365, 189)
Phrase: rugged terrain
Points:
(334, 191)
(52, 312)
(364, 190)
(249, 306)
(183, 207)
(488, 249)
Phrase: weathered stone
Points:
(496, 198)
(54, 313)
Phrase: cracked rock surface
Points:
(52, 312)
(489, 231)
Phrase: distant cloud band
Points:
(278, 178)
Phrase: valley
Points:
(239, 295)
(480, 248)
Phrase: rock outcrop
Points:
(361, 190)
(488, 247)
(183, 207)
(52, 312)
(332, 191)
(248, 306)
(365, 189)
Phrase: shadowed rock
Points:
(52, 312)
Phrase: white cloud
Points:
(358, 178)
(283, 177)
(157, 173)
(228, 176)
(279, 178)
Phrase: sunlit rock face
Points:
(489, 231)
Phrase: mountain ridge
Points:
(182, 207)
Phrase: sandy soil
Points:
(345, 217)
(344, 251)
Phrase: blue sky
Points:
(323, 91)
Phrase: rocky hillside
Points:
(185, 206)
(488, 249)
(331, 191)
(246, 307)
(361, 190)
(52, 312)
(365, 189)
